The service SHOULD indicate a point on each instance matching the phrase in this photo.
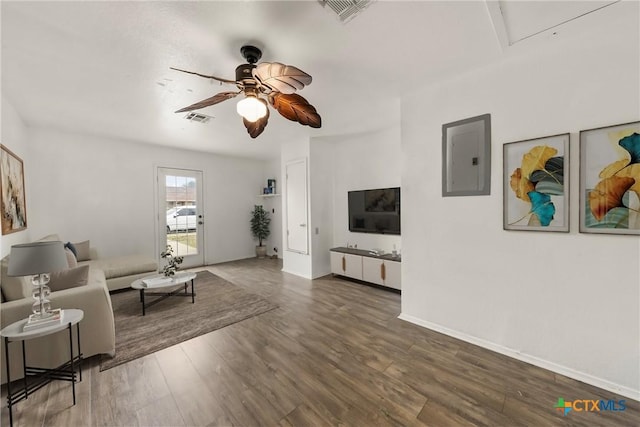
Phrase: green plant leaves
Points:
(260, 223)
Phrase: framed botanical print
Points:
(536, 184)
(610, 179)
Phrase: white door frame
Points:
(196, 258)
(302, 221)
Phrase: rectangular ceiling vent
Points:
(197, 117)
(346, 9)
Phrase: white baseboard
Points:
(542, 363)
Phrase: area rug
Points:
(218, 303)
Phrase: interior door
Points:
(180, 214)
(296, 200)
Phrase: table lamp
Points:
(38, 259)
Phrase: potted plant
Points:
(173, 262)
(260, 229)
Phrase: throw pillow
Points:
(70, 278)
(14, 288)
(83, 251)
(71, 258)
(72, 248)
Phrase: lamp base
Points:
(41, 308)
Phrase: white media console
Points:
(367, 266)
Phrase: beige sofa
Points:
(97, 330)
(121, 271)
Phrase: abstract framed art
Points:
(536, 184)
(12, 202)
(610, 179)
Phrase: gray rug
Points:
(218, 304)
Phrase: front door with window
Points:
(181, 214)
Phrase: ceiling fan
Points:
(262, 84)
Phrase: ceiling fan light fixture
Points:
(251, 108)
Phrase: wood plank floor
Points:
(333, 353)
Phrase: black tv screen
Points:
(375, 211)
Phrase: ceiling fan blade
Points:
(279, 77)
(256, 128)
(295, 108)
(205, 76)
(222, 96)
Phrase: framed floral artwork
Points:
(536, 184)
(12, 202)
(610, 179)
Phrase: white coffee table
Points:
(164, 290)
(43, 376)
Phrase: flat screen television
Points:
(375, 211)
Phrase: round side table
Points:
(43, 376)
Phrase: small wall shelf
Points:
(266, 196)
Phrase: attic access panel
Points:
(515, 21)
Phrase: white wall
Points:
(567, 302)
(15, 138)
(321, 215)
(102, 189)
(362, 162)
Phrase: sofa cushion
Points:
(69, 278)
(124, 265)
(83, 250)
(13, 288)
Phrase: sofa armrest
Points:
(97, 328)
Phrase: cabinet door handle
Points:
(383, 272)
(344, 264)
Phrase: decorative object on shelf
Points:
(173, 262)
(271, 185)
(268, 81)
(610, 179)
(260, 228)
(466, 157)
(12, 203)
(536, 184)
(38, 259)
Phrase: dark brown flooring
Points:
(333, 353)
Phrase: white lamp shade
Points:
(35, 258)
(251, 109)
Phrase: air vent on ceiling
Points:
(197, 117)
(346, 9)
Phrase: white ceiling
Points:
(103, 67)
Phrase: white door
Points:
(181, 215)
(297, 226)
